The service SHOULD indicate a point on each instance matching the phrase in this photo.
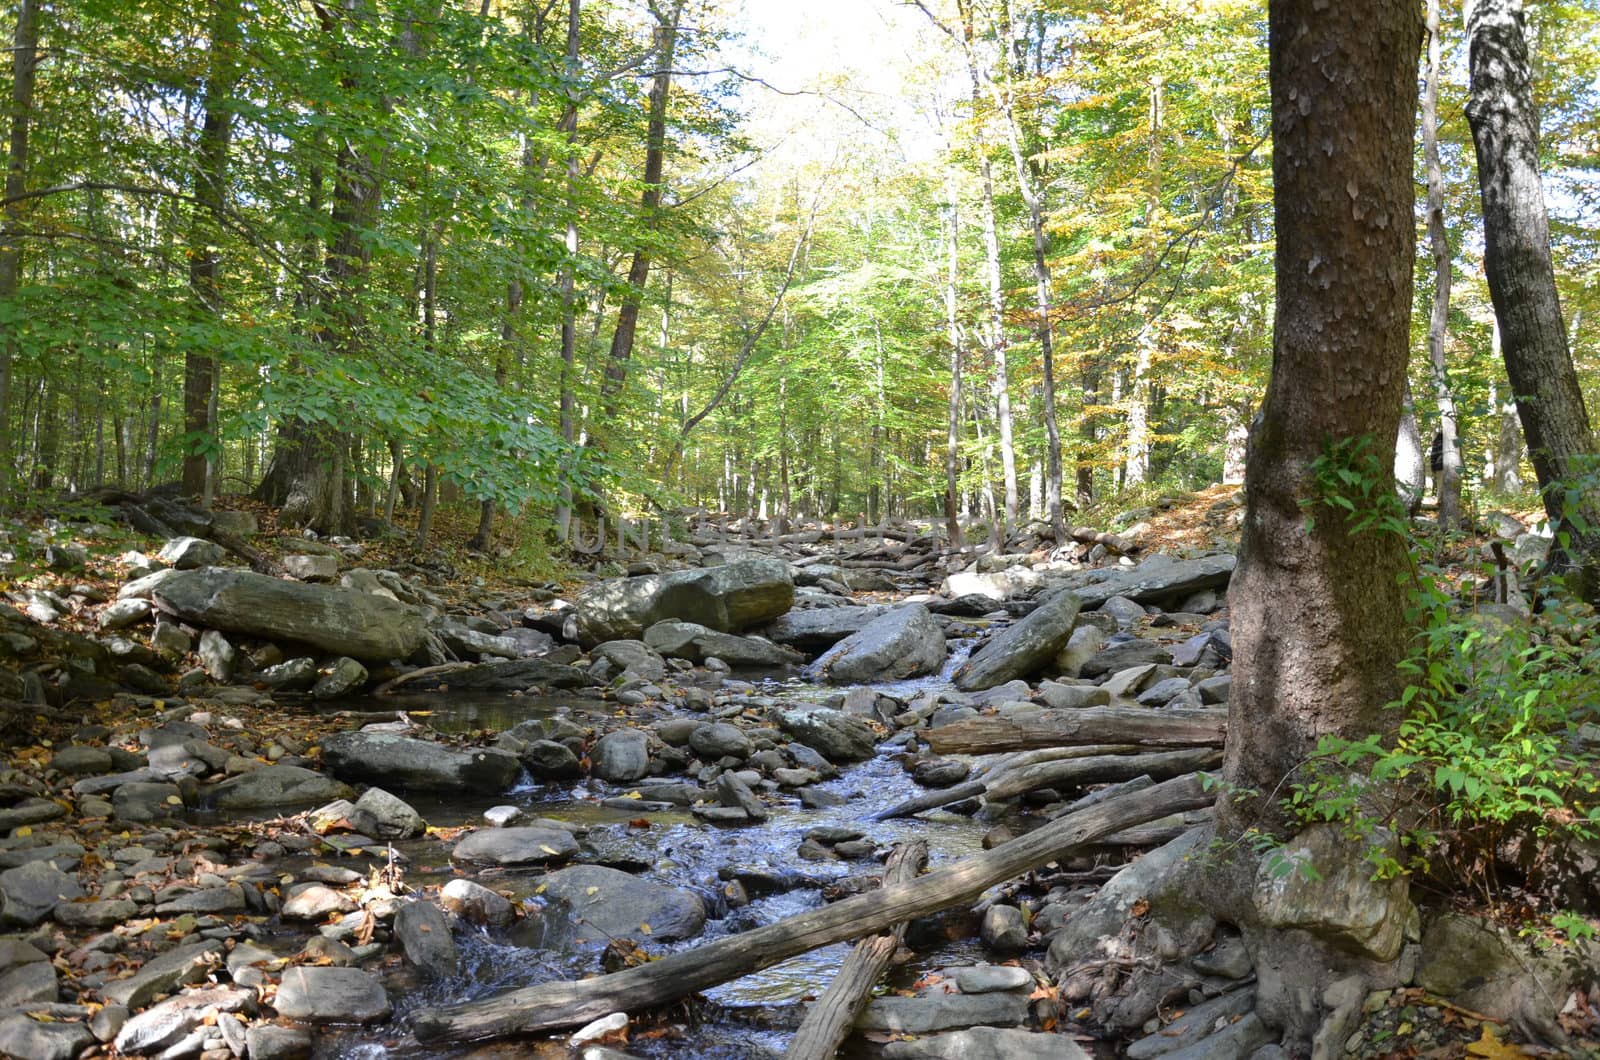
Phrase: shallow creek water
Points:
(750, 1017)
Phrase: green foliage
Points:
(1348, 478)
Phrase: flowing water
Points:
(750, 1017)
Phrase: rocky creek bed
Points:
(344, 808)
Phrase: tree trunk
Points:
(430, 501)
(1447, 483)
(1318, 625)
(24, 64)
(569, 324)
(952, 452)
(1522, 285)
(205, 261)
(1410, 456)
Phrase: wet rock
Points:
(475, 903)
(925, 1015)
(837, 737)
(511, 675)
(549, 760)
(905, 642)
(516, 846)
(940, 772)
(271, 787)
(29, 893)
(387, 816)
(163, 974)
(718, 739)
(294, 675)
(337, 620)
(987, 1043)
(697, 643)
(1004, 930)
(1022, 649)
(23, 1036)
(419, 765)
(819, 629)
(620, 756)
(425, 938)
(589, 904)
(341, 677)
(331, 995)
(729, 598)
(268, 1041)
(732, 791)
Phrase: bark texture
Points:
(1522, 285)
(1317, 611)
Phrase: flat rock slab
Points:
(903, 643)
(516, 846)
(987, 1043)
(162, 974)
(1158, 580)
(925, 1015)
(697, 643)
(28, 893)
(337, 620)
(821, 628)
(419, 765)
(331, 995)
(593, 904)
(729, 598)
(273, 786)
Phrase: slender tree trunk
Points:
(1448, 481)
(569, 324)
(1410, 456)
(1137, 465)
(952, 452)
(430, 501)
(1318, 617)
(1522, 285)
(24, 64)
(200, 367)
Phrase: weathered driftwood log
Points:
(830, 1017)
(1090, 536)
(1067, 773)
(1184, 727)
(932, 800)
(567, 1004)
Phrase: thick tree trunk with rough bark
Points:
(1317, 610)
(1522, 285)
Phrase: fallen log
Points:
(1090, 536)
(932, 800)
(1181, 727)
(829, 1019)
(567, 1004)
(1068, 773)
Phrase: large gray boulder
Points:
(594, 904)
(821, 628)
(728, 599)
(697, 643)
(905, 642)
(1159, 580)
(1023, 648)
(530, 845)
(331, 995)
(273, 786)
(418, 765)
(836, 736)
(338, 621)
(29, 892)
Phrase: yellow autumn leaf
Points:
(591, 891)
(633, 795)
(1491, 1047)
(645, 927)
(23, 832)
(548, 849)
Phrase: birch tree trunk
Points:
(1447, 483)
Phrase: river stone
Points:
(729, 598)
(337, 620)
(28, 893)
(273, 786)
(164, 1026)
(188, 553)
(1126, 656)
(510, 675)
(987, 1043)
(97, 914)
(718, 738)
(339, 678)
(217, 656)
(925, 1015)
(594, 904)
(424, 937)
(632, 655)
(989, 978)
(1343, 904)
(33, 983)
(331, 995)
(530, 845)
(1022, 649)
(905, 642)
(387, 816)
(620, 756)
(834, 735)
(821, 628)
(697, 643)
(549, 760)
(1159, 580)
(1073, 697)
(161, 975)
(475, 903)
(312, 568)
(1081, 646)
(23, 1036)
(1004, 929)
(79, 760)
(269, 1041)
(419, 765)
(1481, 965)
(123, 613)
